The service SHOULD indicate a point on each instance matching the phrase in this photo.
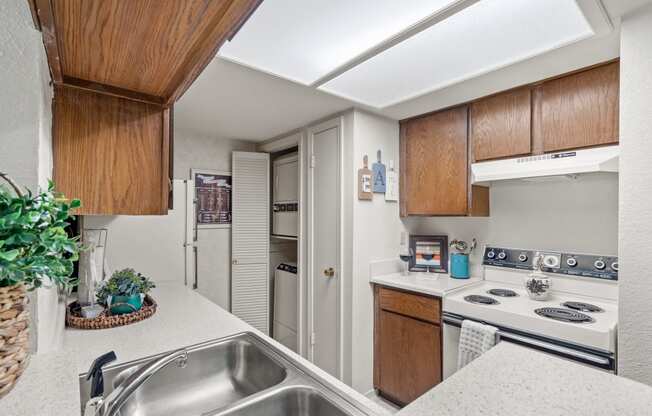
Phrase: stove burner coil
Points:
(505, 293)
(483, 300)
(564, 315)
(582, 307)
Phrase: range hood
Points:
(599, 159)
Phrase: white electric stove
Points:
(577, 322)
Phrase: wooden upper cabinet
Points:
(435, 163)
(111, 153)
(146, 50)
(435, 168)
(577, 110)
(500, 125)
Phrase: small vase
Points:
(14, 335)
(119, 305)
(460, 266)
(538, 286)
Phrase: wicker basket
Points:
(105, 320)
(14, 335)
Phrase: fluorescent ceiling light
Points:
(484, 37)
(304, 40)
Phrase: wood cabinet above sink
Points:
(118, 67)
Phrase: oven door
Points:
(603, 360)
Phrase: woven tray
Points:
(105, 319)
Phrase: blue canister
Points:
(460, 266)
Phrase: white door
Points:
(324, 237)
(250, 300)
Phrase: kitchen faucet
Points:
(99, 406)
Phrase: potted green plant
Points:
(124, 292)
(35, 251)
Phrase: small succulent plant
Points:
(126, 282)
(462, 246)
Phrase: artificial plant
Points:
(35, 248)
(126, 282)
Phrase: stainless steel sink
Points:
(238, 375)
(292, 401)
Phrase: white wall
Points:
(26, 141)
(194, 151)
(376, 229)
(578, 215)
(635, 308)
(24, 96)
(150, 244)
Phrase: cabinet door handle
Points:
(330, 272)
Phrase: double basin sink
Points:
(238, 375)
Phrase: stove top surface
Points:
(598, 316)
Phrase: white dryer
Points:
(284, 328)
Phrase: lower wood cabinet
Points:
(407, 344)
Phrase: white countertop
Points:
(49, 386)
(513, 380)
(434, 284)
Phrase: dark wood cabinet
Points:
(435, 166)
(577, 110)
(500, 125)
(407, 344)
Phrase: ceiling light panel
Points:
(484, 37)
(303, 40)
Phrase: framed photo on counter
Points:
(212, 198)
(430, 253)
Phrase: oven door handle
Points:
(543, 345)
(583, 356)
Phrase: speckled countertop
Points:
(428, 283)
(49, 386)
(513, 380)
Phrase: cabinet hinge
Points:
(313, 161)
(313, 339)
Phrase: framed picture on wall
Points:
(430, 253)
(212, 198)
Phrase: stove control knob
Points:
(522, 257)
(599, 264)
(614, 266)
(491, 254)
(571, 262)
(502, 255)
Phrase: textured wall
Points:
(193, 151)
(570, 215)
(376, 236)
(635, 323)
(26, 140)
(23, 95)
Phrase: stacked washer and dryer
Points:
(285, 225)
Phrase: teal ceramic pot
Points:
(459, 266)
(119, 305)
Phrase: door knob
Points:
(330, 272)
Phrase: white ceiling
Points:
(231, 101)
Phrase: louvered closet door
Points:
(250, 239)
